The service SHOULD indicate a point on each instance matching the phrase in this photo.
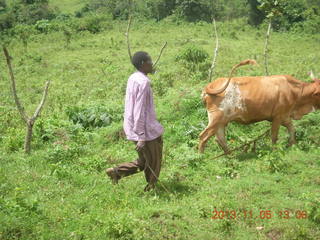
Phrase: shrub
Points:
(314, 211)
(89, 117)
(94, 23)
(43, 26)
(192, 10)
(64, 154)
(29, 12)
(276, 161)
(162, 83)
(23, 33)
(192, 54)
(14, 139)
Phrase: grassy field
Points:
(60, 191)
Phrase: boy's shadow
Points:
(169, 188)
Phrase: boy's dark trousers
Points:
(150, 155)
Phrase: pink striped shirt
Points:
(140, 123)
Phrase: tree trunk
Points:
(27, 142)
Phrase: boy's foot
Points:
(113, 175)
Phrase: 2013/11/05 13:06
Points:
(260, 214)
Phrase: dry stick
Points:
(127, 35)
(163, 47)
(13, 85)
(128, 44)
(158, 179)
(246, 144)
(44, 96)
(266, 49)
(29, 121)
(215, 51)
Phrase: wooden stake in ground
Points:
(29, 121)
(215, 51)
(266, 49)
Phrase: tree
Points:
(29, 121)
(284, 14)
(256, 16)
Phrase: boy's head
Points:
(142, 62)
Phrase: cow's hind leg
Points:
(210, 130)
(275, 130)
(221, 139)
(291, 130)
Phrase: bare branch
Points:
(246, 145)
(266, 49)
(13, 85)
(127, 35)
(215, 51)
(163, 47)
(44, 96)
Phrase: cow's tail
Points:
(212, 91)
(203, 98)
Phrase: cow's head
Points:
(316, 93)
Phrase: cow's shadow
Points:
(246, 156)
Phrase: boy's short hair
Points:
(139, 58)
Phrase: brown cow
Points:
(278, 99)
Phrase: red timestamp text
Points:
(258, 214)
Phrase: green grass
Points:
(60, 191)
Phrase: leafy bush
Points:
(29, 12)
(23, 33)
(89, 117)
(276, 160)
(311, 25)
(43, 26)
(93, 22)
(192, 54)
(162, 83)
(64, 154)
(314, 211)
(14, 139)
(193, 10)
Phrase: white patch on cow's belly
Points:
(233, 101)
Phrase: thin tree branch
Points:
(215, 51)
(44, 96)
(127, 35)
(163, 47)
(13, 85)
(266, 49)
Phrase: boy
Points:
(140, 125)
